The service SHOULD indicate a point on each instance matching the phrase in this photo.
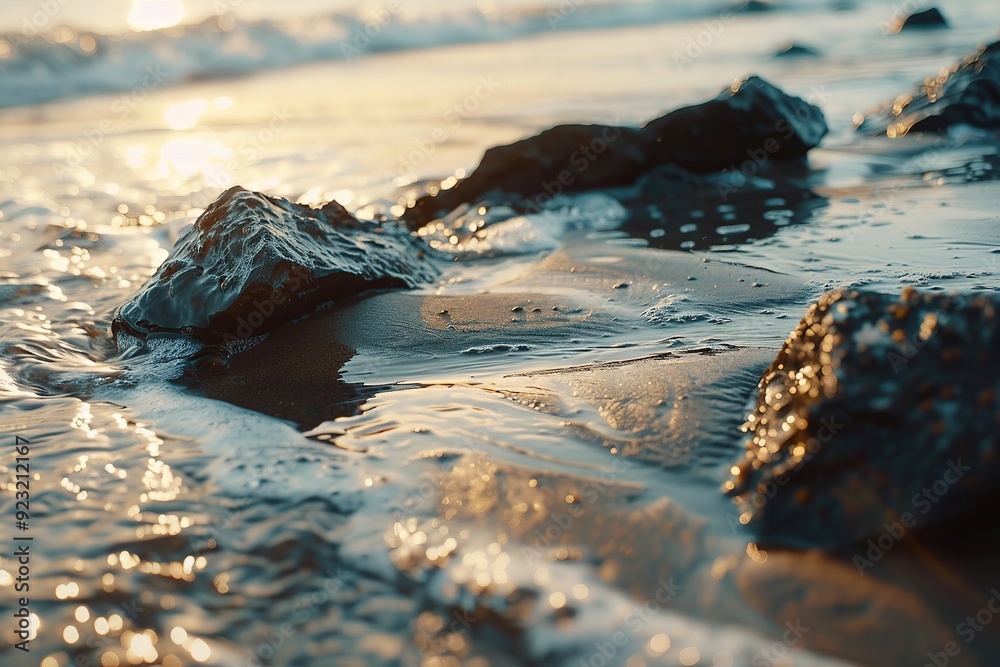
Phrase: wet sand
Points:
(390, 483)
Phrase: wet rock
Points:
(968, 94)
(929, 18)
(756, 6)
(565, 158)
(252, 262)
(750, 118)
(879, 415)
(670, 207)
(792, 50)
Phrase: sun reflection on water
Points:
(185, 115)
(114, 636)
(188, 157)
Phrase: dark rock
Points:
(756, 6)
(969, 95)
(752, 117)
(252, 262)
(796, 51)
(668, 207)
(929, 18)
(564, 158)
(879, 415)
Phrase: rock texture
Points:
(879, 415)
(752, 120)
(968, 94)
(252, 262)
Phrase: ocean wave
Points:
(64, 63)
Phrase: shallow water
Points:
(532, 477)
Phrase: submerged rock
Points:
(752, 119)
(879, 415)
(252, 262)
(928, 18)
(968, 94)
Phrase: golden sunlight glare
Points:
(155, 14)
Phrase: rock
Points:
(751, 118)
(755, 6)
(792, 50)
(669, 206)
(564, 158)
(879, 416)
(968, 94)
(929, 18)
(252, 262)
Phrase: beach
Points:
(519, 458)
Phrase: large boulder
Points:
(252, 262)
(967, 94)
(879, 415)
(750, 120)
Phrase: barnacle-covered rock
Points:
(252, 262)
(879, 414)
(967, 94)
